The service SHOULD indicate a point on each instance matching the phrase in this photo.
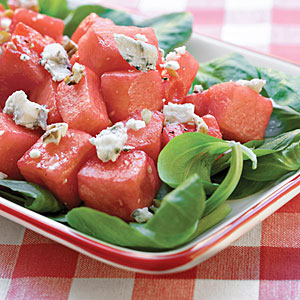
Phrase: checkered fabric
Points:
(264, 264)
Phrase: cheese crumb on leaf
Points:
(25, 112)
(254, 84)
(142, 215)
(3, 176)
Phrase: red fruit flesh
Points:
(15, 140)
(125, 92)
(121, 187)
(147, 139)
(58, 165)
(81, 105)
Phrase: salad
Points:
(110, 126)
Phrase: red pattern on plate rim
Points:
(148, 261)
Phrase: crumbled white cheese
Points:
(110, 142)
(78, 71)
(135, 124)
(28, 3)
(171, 64)
(201, 126)
(35, 153)
(24, 57)
(5, 23)
(3, 176)
(142, 215)
(139, 54)
(146, 115)
(178, 113)
(1, 132)
(141, 37)
(162, 52)
(25, 112)
(56, 61)
(54, 133)
(254, 84)
(198, 88)
(172, 56)
(180, 50)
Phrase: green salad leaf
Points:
(54, 8)
(4, 2)
(172, 30)
(30, 195)
(75, 17)
(172, 224)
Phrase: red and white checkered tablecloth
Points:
(263, 264)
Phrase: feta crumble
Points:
(25, 112)
(139, 54)
(135, 124)
(178, 113)
(78, 71)
(146, 115)
(5, 23)
(34, 153)
(24, 57)
(28, 3)
(141, 37)
(54, 133)
(110, 142)
(1, 132)
(254, 84)
(56, 61)
(3, 176)
(142, 215)
(201, 126)
(171, 64)
(198, 88)
(180, 50)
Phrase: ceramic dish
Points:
(246, 213)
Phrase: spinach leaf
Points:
(189, 153)
(228, 185)
(119, 17)
(173, 223)
(282, 120)
(31, 195)
(4, 2)
(212, 219)
(54, 8)
(229, 67)
(283, 89)
(275, 165)
(172, 30)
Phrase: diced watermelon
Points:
(2, 8)
(121, 187)
(20, 68)
(58, 165)
(98, 50)
(242, 113)
(200, 101)
(178, 84)
(172, 130)
(125, 92)
(87, 22)
(45, 94)
(36, 41)
(81, 105)
(15, 140)
(45, 25)
(74, 59)
(147, 139)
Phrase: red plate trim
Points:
(148, 261)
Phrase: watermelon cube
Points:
(147, 139)
(98, 50)
(57, 166)
(45, 25)
(45, 94)
(118, 188)
(81, 105)
(125, 92)
(15, 140)
(87, 22)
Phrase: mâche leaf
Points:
(54, 8)
(31, 195)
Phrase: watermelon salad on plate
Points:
(110, 126)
